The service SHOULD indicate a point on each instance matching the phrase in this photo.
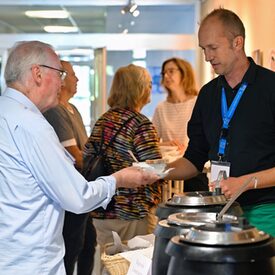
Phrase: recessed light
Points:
(47, 14)
(60, 29)
(136, 13)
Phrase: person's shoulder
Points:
(53, 111)
(55, 114)
(265, 72)
(161, 105)
(136, 118)
(142, 117)
(74, 107)
(191, 102)
(212, 83)
(104, 117)
(193, 99)
(209, 87)
(165, 106)
(264, 78)
(116, 115)
(142, 123)
(38, 122)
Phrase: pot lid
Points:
(224, 234)
(199, 218)
(167, 231)
(198, 198)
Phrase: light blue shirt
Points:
(37, 182)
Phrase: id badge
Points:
(216, 167)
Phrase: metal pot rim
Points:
(198, 198)
(199, 218)
(229, 235)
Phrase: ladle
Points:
(234, 197)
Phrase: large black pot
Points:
(200, 201)
(222, 249)
(177, 224)
(163, 232)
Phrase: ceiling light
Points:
(130, 8)
(60, 29)
(139, 53)
(76, 52)
(133, 7)
(136, 13)
(47, 14)
(123, 11)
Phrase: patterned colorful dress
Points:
(139, 136)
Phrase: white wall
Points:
(258, 17)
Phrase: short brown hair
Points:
(231, 21)
(188, 78)
(130, 88)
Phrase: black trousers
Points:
(80, 242)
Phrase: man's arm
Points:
(184, 169)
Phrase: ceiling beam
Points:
(95, 2)
(113, 42)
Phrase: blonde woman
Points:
(128, 214)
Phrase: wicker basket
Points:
(114, 264)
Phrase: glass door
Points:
(98, 92)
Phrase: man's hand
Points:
(231, 185)
(132, 177)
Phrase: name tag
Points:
(216, 167)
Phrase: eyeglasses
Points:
(169, 71)
(62, 73)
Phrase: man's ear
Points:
(36, 74)
(238, 42)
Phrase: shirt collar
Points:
(249, 76)
(20, 98)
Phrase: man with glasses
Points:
(37, 175)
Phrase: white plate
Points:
(156, 168)
(161, 173)
(165, 173)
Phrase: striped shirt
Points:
(140, 137)
(171, 119)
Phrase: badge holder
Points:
(216, 167)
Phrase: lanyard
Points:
(227, 114)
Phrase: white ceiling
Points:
(90, 16)
(98, 2)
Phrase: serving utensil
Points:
(234, 197)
